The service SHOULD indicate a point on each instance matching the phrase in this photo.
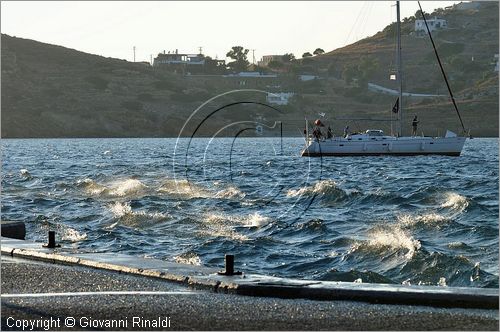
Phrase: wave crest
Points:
(188, 258)
(183, 188)
(126, 216)
(455, 201)
(70, 234)
(230, 192)
(323, 187)
(251, 220)
(427, 219)
(25, 173)
(126, 187)
(393, 239)
(119, 188)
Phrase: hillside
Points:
(467, 49)
(52, 91)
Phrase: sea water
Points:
(421, 220)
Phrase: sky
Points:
(113, 28)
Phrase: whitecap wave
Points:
(24, 173)
(250, 220)
(223, 225)
(118, 188)
(126, 187)
(455, 201)
(428, 219)
(230, 192)
(183, 188)
(442, 282)
(188, 258)
(323, 187)
(126, 216)
(70, 234)
(456, 245)
(120, 209)
(393, 238)
(91, 187)
(256, 220)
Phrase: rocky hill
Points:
(52, 91)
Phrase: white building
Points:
(434, 23)
(305, 78)
(264, 62)
(176, 58)
(279, 98)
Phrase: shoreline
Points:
(201, 277)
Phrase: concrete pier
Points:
(110, 286)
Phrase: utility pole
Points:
(200, 48)
(253, 56)
(134, 53)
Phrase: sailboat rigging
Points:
(374, 141)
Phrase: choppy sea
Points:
(428, 220)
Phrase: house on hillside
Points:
(255, 74)
(434, 24)
(279, 98)
(189, 63)
(176, 58)
(264, 62)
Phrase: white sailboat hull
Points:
(386, 145)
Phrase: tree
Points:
(349, 73)
(288, 57)
(318, 51)
(239, 55)
(307, 54)
(368, 65)
(365, 70)
(213, 66)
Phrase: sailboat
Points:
(375, 142)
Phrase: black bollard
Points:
(230, 265)
(52, 241)
(229, 261)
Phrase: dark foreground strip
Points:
(258, 285)
(395, 154)
(453, 299)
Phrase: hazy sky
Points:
(112, 28)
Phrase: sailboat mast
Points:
(399, 77)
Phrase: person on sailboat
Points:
(414, 125)
(317, 129)
(346, 131)
(317, 133)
